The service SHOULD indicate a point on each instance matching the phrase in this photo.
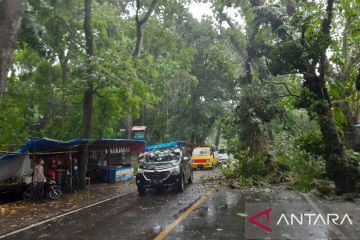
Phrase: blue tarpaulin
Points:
(165, 145)
(44, 145)
(48, 145)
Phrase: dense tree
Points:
(11, 14)
(89, 90)
(80, 67)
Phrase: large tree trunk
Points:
(218, 135)
(351, 134)
(140, 23)
(88, 94)
(11, 13)
(342, 170)
(339, 168)
(259, 141)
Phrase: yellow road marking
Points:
(169, 228)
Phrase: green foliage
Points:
(248, 170)
(299, 151)
(311, 142)
(183, 81)
(304, 184)
(285, 58)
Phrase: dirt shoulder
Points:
(20, 214)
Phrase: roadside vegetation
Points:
(277, 83)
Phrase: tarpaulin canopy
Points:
(165, 145)
(45, 145)
(18, 166)
(51, 145)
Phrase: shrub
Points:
(311, 142)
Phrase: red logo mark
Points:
(265, 212)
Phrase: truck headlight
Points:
(175, 169)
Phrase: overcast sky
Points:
(200, 9)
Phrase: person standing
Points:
(39, 178)
(76, 174)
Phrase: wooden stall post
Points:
(71, 170)
(110, 167)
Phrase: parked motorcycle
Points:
(51, 190)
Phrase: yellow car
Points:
(204, 157)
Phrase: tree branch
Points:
(148, 12)
(283, 96)
(325, 30)
(285, 85)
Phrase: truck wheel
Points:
(181, 187)
(190, 180)
(141, 190)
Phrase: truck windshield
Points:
(163, 156)
(201, 152)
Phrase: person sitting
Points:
(52, 169)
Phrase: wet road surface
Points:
(222, 214)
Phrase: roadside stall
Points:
(110, 160)
(16, 168)
(58, 157)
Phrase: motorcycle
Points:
(51, 190)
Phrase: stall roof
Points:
(48, 145)
(45, 145)
(165, 145)
(138, 128)
(10, 155)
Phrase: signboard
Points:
(138, 132)
(139, 135)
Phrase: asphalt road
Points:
(200, 212)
